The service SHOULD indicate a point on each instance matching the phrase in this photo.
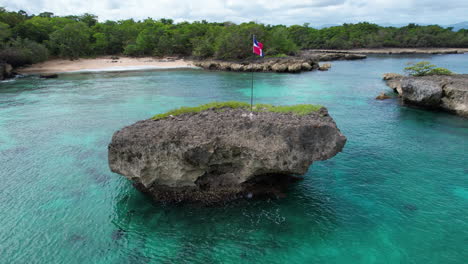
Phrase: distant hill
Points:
(327, 26)
(458, 26)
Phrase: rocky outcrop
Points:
(221, 155)
(337, 56)
(393, 81)
(6, 71)
(48, 76)
(318, 55)
(291, 65)
(382, 96)
(449, 93)
(421, 91)
(324, 67)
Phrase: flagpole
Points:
(251, 89)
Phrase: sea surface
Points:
(398, 193)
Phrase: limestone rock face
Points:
(393, 81)
(448, 93)
(295, 67)
(456, 95)
(277, 67)
(421, 91)
(220, 155)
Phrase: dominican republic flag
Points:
(257, 47)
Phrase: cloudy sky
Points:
(315, 12)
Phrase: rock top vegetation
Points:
(220, 152)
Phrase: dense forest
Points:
(26, 39)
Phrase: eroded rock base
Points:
(261, 187)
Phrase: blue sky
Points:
(315, 12)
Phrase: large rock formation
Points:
(221, 155)
(449, 93)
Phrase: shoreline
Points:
(104, 64)
(124, 63)
(395, 51)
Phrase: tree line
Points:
(26, 39)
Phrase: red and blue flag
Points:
(257, 47)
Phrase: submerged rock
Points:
(221, 155)
(48, 75)
(447, 92)
(324, 67)
(382, 96)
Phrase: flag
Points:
(257, 47)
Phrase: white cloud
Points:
(316, 12)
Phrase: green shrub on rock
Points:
(425, 68)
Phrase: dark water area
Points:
(398, 193)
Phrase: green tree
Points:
(279, 42)
(88, 19)
(19, 52)
(37, 29)
(424, 68)
(5, 32)
(72, 41)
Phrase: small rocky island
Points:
(306, 61)
(445, 92)
(221, 152)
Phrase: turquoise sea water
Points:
(398, 193)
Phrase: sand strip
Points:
(104, 64)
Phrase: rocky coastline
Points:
(219, 155)
(444, 92)
(294, 64)
(281, 65)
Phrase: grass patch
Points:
(300, 109)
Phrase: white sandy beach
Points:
(104, 64)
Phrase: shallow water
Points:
(398, 193)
